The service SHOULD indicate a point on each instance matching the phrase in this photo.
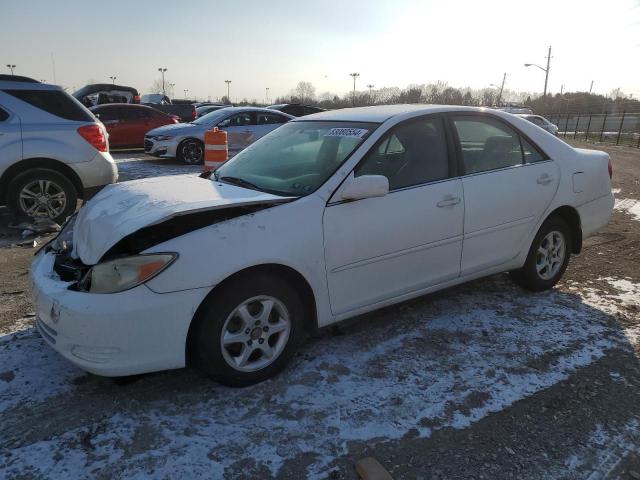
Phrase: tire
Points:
(220, 314)
(542, 272)
(191, 151)
(60, 203)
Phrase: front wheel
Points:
(191, 152)
(248, 330)
(548, 257)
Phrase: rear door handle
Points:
(545, 179)
(448, 201)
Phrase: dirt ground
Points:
(483, 380)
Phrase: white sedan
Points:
(185, 141)
(330, 216)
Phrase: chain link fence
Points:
(616, 128)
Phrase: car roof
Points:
(129, 105)
(255, 109)
(381, 113)
(27, 85)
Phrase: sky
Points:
(275, 44)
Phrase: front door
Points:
(508, 185)
(241, 131)
(378, 249)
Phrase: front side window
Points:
(55, 102)
(487, 144)
(296, 158)
(411, 154)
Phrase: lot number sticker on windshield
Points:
(347, 132)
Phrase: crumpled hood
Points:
(121, 209)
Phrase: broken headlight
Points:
(125, 273)
(64, 241)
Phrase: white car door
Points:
(378, 249)
(241, 131)
(508, 184)
(10, 139)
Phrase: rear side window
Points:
(411, 154)
(531, 155)
(107, 113)
(270, 118)
(3, 115)
(55, 102)
(487, 144)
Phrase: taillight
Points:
(193, 113)
(136, 99)
(95, 136)
(610, 169)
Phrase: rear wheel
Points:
(42, 193)
(191, 151)
(248, 330)
(548, 256)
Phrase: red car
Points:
(127, 123)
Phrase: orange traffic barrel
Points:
(216, 149)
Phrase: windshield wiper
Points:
(240, 182)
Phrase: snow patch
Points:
(628, 205)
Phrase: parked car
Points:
(325, 218)
(52, 150)
(244, 126)
(296, 109)
(127, 124)
(541, 122)
(204, 109)
(101, 93)
(185, 111)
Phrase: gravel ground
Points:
(483, 380)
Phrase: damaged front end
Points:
(124, 265)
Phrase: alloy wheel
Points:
(191, 152)
(42, 198)
(255, 333)
(550, 255)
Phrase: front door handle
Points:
(545, 179)
(449, 201)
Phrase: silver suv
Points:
(53, 151)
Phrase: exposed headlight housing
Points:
(163, 137)
(125, 273)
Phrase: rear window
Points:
(55, 102)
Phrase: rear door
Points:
(110, 117)
(241, 131)
(134, 123)
(10, 139)
(508, 184)
(267, 122)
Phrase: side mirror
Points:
(365, 186)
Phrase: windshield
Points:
(211, 117)
(296, 158)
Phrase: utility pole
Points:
(228, 82)
(354, 75)
(504, 77)
(162, 70)
(113, 79)
(591, 87)
(546, 74)
(561, 89)
(11, 67)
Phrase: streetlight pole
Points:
(185, 93)
(354, 75)
(546, 73)
(591, 87)
(370, 86)
(162, 70)
(11, 67)
(504, 77)
(113, 79)
(266, 96)
(228, 82)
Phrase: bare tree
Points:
(304, 92)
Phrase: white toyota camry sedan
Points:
(327, 217)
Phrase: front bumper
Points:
(127, 333)
(165, 148)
